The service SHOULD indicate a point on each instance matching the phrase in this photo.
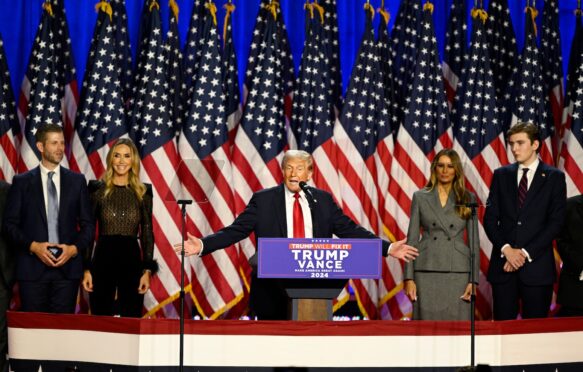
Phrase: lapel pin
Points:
(544, 174)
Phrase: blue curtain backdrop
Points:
(19, 21)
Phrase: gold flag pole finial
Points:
(105, 7)
(272, 7)
(479, 13)
(48, 7)
(229, 8)
(370, 8)
(174, 7)
(154, 4)
(213, 9)
(428, 6)
(533, 14)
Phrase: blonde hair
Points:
(459, 184)
(297, 154)
(134, 182)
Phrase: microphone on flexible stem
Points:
(306, 189)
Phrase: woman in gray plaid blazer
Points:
(438, 281)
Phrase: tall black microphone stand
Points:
(473, 240)
(183, 203)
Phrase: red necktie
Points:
(298, 218)
(522, 188)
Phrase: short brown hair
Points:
(41, 133)
(529, 128)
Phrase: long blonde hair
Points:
(458, 185)
(134, 182)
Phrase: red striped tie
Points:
(522, 188)
(298, 218)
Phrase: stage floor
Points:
(93, 343)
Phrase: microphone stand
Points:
(472, 240)
(183, 203)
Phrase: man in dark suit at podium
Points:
(524, 214)
(284, 211)
(49, 225)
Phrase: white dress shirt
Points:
(289, 214)
(44, 176)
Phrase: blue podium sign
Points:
(319, 258)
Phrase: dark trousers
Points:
(116, 271)
(51, 293)
(5, 295)
(508, 296)
(268, 300)
(566, 311)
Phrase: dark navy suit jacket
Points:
(533, 227)
(25, 221)
(265, 216)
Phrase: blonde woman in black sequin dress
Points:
(118, 271)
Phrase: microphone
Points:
(306, 189)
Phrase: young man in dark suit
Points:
(524, 214)
(49, 225)
(270, 213)
(6, 281)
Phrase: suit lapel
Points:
(539, 179)
(438, 211)
(512, 186)
(38, 193)
(279, 204)
(65, 186)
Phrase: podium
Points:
(314, 271)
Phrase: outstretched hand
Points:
(402, 251)
(192, 246)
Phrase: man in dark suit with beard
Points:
(6, 280)
(49, 225)
(524, 214)
(270, 213)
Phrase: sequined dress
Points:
(118, 260)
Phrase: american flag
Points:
(405, 38)
(48, 92)
(101, 115)
(455, 48)
(66, 73)
(313, 108)
(332, 46)
(9, 128)
(364, 123)
(425, 128)
(385, 46)
(191, 48)
(266, 8)
(529, 100)
(552, 66)
(216, 282)
(173, 58)
(503, 53)
(479, 138)
(152, 127)
(572, 145)
(392, 301)
(572, 155)
(231, 75)
(262, 136)
(122, 47)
